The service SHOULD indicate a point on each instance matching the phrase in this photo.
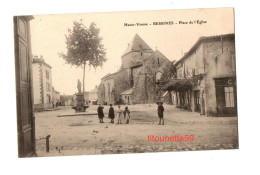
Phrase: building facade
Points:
(55, 97)
(93, 96)
(42, 84)
(67, 100)
(213, 59)
(136, 80)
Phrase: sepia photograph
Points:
(126, 82)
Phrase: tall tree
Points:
(84, 47)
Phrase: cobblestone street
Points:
(82, 134)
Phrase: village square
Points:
(76, 126)
(83, 134)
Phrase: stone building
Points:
(212, 58)
(67, 100)
(136, 80)
(55, 97)
(93, 96)
(42, 84)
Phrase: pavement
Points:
(84, 135)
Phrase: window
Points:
(229, 97)
(47, 74)
(48, 98)
(158, 76)
(108, 86)
(158, 62)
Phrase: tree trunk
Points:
(84, 69)
(170, 97)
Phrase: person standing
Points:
(119, 115)
(160, 112)
(100, 113)
(111, 113)
(127, 115)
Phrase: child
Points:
(111, 113)
(119, 115)
(100, 113)
(127, 115)
(160, 112)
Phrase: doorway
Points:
(197, 101)
(24, 97)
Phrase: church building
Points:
(136, 80)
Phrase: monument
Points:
(80, 101)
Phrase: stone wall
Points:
(131, 58)
(101, 92)
(122, 83)
(145, 89)
(218, 63)
(109, 86)
(118, 82)
(193, 62)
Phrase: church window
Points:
(158, 77)
(108, 86)
(132, 78)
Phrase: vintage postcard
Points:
(126, 82)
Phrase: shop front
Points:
(226, 100)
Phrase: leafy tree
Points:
(169, 75)
(84, 47)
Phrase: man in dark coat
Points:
(160, 112)
(100, 113)
(111, 113)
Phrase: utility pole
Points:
(84, 82)
(145, 87)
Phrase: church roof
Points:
(156, 54)
(137, 44)
(109, 75)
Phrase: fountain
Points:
(80, 101)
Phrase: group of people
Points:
(126, 113)
(111, 114)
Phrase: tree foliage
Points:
(84, 46)
(170, 82)
(169, 74)
(180, 85)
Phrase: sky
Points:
(48, 38)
